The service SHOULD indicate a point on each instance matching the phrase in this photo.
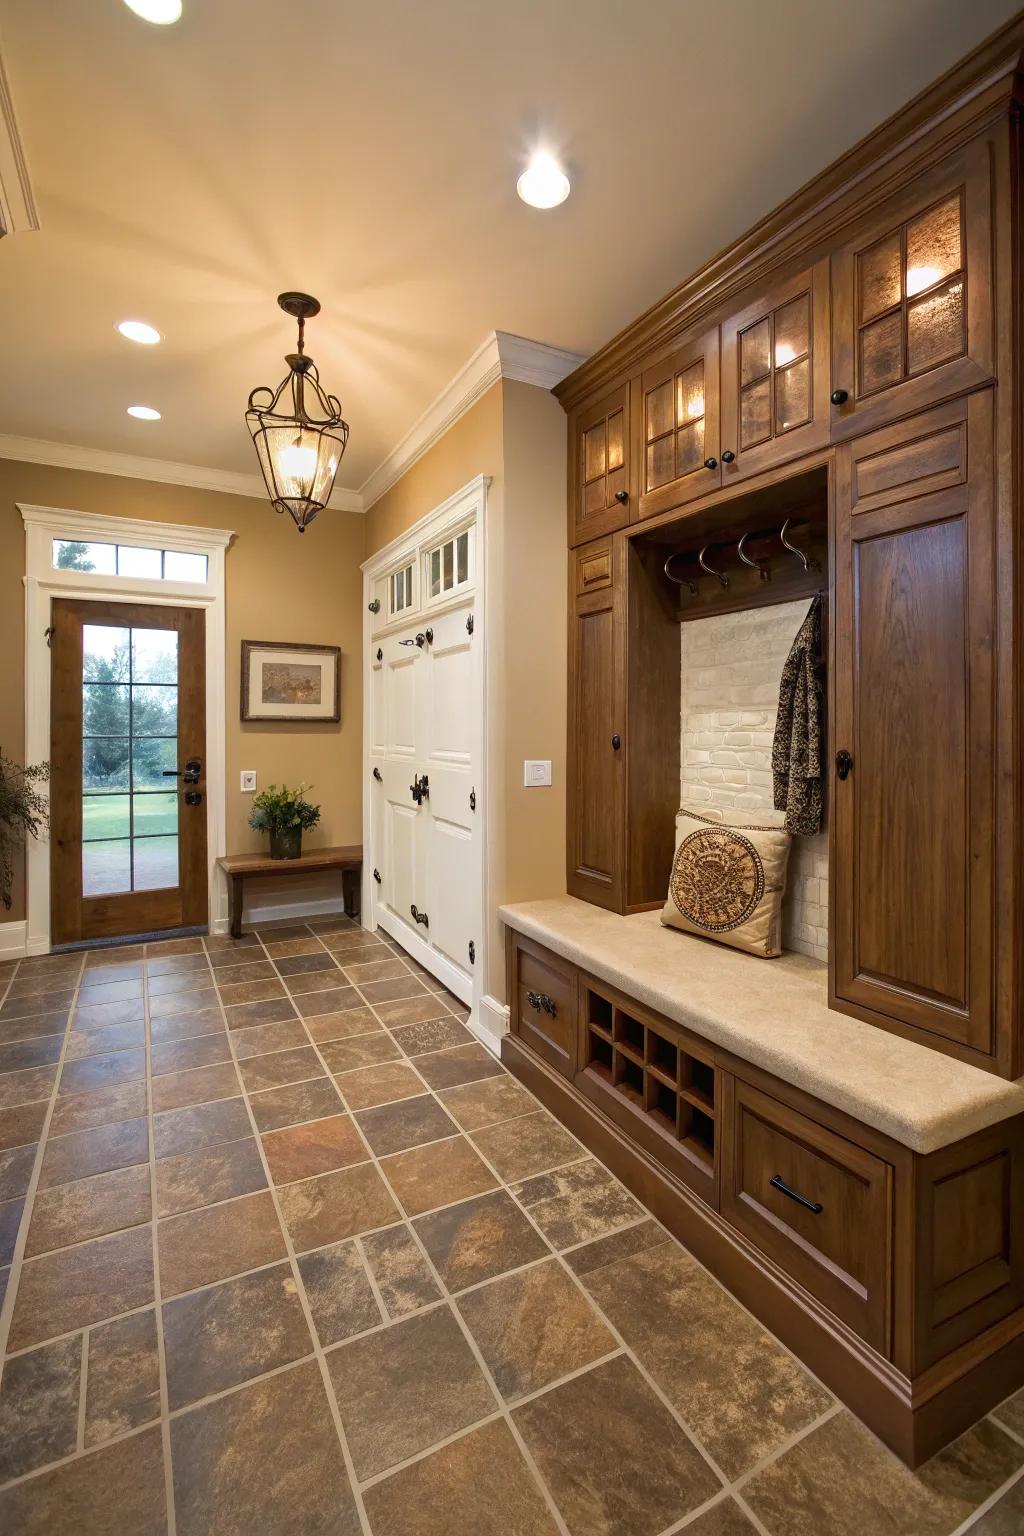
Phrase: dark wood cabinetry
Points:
(600, 464)
(679, 413)
(913, 821)
(596, 771)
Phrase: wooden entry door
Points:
(128, 770)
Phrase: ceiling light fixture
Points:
(543, 184)
(162, 13)
(138, 330)
(299, 453)
(143, 413)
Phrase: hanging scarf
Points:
(798, 747)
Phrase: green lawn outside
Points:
(107, 815)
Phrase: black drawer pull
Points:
(777, 1182)
(541, 1003)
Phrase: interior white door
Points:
(396, 711)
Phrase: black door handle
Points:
(839, 396)
(622, 497)
(728, 456)
(616, 742)
(711, 463)
(814, 1206)
(844, 762)
(193, 797)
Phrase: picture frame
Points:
(286, 682)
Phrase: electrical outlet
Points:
(536, 773)
(248, 781)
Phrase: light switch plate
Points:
(248, 780)
(536, 772)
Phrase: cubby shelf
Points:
(671, 1088)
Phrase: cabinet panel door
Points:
(599, 467)
(679, 427)
(912, 297)
(775, 375)
(913, 834)
(596, 832)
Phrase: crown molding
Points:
(61, 522)
(35, 450)
(17, 204)
(501, 356)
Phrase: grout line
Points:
(993, 1499)
(83, 1388)
(410, 1461)
(374, 1287)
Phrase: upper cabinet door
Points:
(599, 470)
(912, 298)
(679, 430)
(913, 834)
(775, 376)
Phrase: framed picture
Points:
(290, 682)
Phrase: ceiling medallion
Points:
(299, 452)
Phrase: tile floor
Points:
(286, 1250)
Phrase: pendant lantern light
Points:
(298, 429)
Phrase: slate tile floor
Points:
(285, 1249)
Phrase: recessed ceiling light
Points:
(543, 184)
(138, 330)
(160, 12)
(143, 413)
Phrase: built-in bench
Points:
(862, 1194)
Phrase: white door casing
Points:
(424, 713)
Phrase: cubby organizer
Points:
(667, 1084)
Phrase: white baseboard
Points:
(431, 961)
(12, 940)
(492, 1023)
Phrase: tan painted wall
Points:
(516, 435)
(280, 586)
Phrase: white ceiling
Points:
(367, 151)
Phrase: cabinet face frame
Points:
(917, 478)
(703, 349)
(607, 514)
(970, 169)
(796, 441)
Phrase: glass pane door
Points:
(129, 742)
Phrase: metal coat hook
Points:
(807, 561)
(760, 566)
(723, 579)
(680, 581)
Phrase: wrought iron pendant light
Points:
(298, 429)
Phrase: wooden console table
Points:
(251, 866)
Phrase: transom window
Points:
(129, 560)
(400, 590)
(448, 565)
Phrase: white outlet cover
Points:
(248, 781)
(536, 772)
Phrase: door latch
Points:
(472, 953)
(472, 799)
(421, 917)
(425, 637)
(378, 776)
(470, 622)
(193, 797)
(376, 876)
(380, 654)
(420, 789)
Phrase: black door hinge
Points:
(421, 917)
(376, 876)
(472, 953)
(469, 625)
(380, 654)
(378, 776)
(472, 799)
(49, 632)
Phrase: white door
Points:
(424, 740)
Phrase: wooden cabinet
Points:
(599, 467)
(543, 1005)
(816, 1203)
(596, 769)
(912, 311)
(678, 406)
(775, 375)
(913, 832)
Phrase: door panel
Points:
(600, 469)
(449, 820)
(679, 431)
(596, 835)
(775, 375)
(912, 297)
(128, 721)
(914, 841)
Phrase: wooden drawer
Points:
(817, 1204)
(544, 1004)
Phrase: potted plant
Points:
(284, 812)
(22, 811)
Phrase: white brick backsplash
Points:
(732, 665)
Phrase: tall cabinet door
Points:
(679, 430)
(595, 823)
(599, 467)
(912, 801)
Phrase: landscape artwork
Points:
(281, 681)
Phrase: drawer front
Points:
(817, 1204)
(544, 1007)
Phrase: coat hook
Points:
(680, 581)
(807, 561)
(724, 580)
(760, 566)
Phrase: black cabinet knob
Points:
(844, 762)
(622, 497)
(711, 463)
(616, 741)
(728, 456)
(839, 396)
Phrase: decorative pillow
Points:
(728, 879)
